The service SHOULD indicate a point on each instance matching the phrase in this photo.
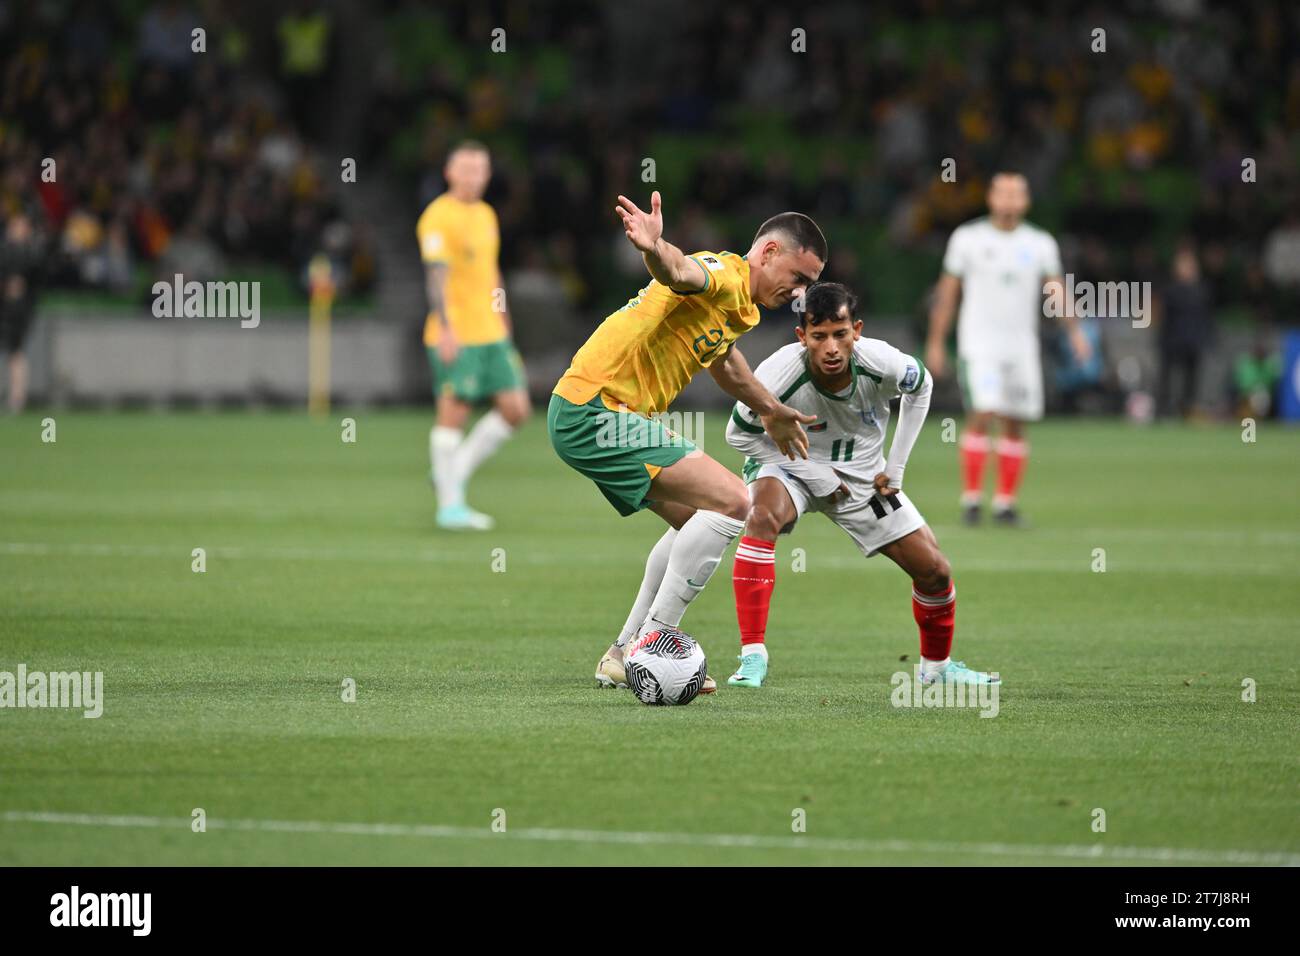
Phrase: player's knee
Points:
(762, 523)
(935, 575)
(733, 501)
(516, 413)
(453, 421)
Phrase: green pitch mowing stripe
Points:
(472, 657)
(1095, 851)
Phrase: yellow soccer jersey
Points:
(643, 355)
(465, 237)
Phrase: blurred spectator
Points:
(1081, 383)
(305, 36)
(1255, 377)
(193, 255)
(1185, 320)
(22, 260)
(1282, 252)
(166, 36)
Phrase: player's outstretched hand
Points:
(643, 228)
(881, 483)
(785, 427)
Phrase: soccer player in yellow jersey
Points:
(636, 363)
(467, 333)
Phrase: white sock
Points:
(695, 554)
(655, 566)
(759, 649)
(931, 668)
(443, 443)
(484, 438)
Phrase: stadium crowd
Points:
(171, 162)
(1135, 150)
(138, 155)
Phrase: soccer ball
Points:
(665, 666)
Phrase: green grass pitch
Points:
(1123, 689)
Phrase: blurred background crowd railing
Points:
(226, 163)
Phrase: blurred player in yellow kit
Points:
(601, 417)
(467, 333)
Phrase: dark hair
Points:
(1008, 171)
(468, 146)
(823, 301)
(799, 231)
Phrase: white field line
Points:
(1097, 851)
(1135, 564)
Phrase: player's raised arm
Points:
(781, 422)
(665, 262)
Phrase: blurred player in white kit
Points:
(1000, 266)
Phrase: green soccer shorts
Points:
(478, 371)
(620, 451)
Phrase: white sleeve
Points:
(954, 257)
(777, 372)
(912, 410)
(1051, 256)
(899, 373)
(906, 377)
(744, 434)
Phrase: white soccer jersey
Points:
(1002, 273)
(849, 434)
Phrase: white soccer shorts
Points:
(871, 520)
(1011, 386)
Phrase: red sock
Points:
(1012, 455)
(753, 577)
(935, 616)
(974, 450)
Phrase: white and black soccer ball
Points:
(665, 666)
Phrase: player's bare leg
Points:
(609, 671)
(934, 606)
(1012, 451)
(975, 444)
(17, 381)
(753, 576)
(699, 482)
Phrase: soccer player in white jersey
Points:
(847, 382)
(1001, 267)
